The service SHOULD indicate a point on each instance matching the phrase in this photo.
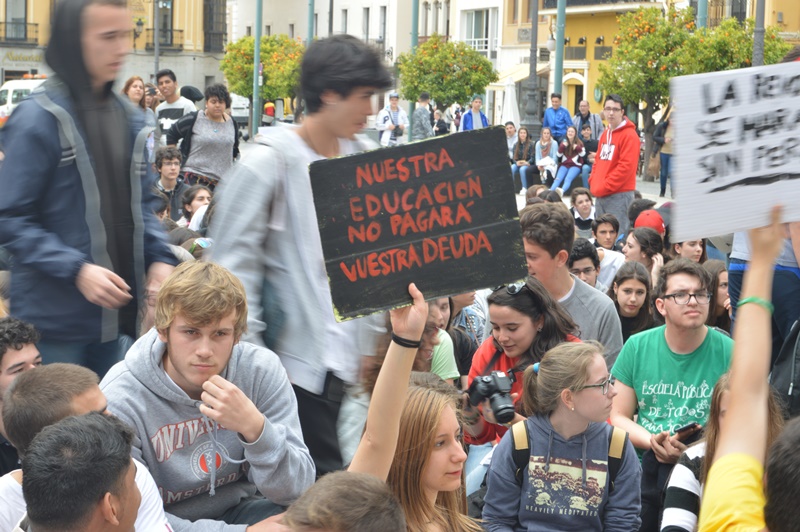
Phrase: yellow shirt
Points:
(733, 499)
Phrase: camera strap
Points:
(512, 373)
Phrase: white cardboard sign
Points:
(736, 149)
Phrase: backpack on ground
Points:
(521, 455)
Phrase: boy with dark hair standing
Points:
(266, 234)
(547, 233)
(613, 177)
(421, 127)
(213, 416)
(174, 105)
(18, 354)
(76, 195)
(168, 165)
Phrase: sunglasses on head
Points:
(513, 288)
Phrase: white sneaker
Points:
(523, 191)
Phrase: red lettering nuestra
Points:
(388, 169)
(383, 263)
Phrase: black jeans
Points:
(318, 417)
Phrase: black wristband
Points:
(403, 342)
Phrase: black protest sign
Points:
(440, 213)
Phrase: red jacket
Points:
(616, 161)
(480, 360)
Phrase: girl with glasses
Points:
(569, 482)
(526, 322)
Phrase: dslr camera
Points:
(497, 388)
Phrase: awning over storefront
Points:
(517, 73)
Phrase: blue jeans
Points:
(98, 357)
(524, 171)
(666, 169)
(565, 175)
(586, 171)
(250, 511)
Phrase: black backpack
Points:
(785, 376)
(521, 455)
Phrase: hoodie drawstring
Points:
(549, 448)
(216, 448)
(583, 459)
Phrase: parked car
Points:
(13, 92)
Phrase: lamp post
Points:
(156, 37)
(560, 26)
(414, 43)
(758, 35)
(310, 38)
(257, 72)
(531, 118)
(702, 13)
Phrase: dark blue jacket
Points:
(50, 217)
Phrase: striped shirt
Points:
(683, 492)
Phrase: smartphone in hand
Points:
(687, 428)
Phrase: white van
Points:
(13, 92)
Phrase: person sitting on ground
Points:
(637, 207)
(79, 475)
(18, 354)
(521, 159)
(191, 372)
(193, 198)
(651, 218)
(684, 491)
(719, 314)
(415, 445)
(570, 153)
(345, 501)
(590, 144)
(568, 397)
(643, 245)
(683, 354)
(40, 398)
(582, 209)
(168, 166)
(739, 493)
(605, 230)
(694, 250)
(526, 322)
(546, 155)
(631, 296)
(584, 263)
(547, 236)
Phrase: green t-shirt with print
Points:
(672, 390)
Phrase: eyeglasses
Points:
(585, 271)
(603, 385)
(612, 109)
(683, 298)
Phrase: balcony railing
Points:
(553, 4)
(19, 33)
(214, 41)
(480, 44)
(168, 39)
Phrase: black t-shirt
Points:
(9, 460)
(590, 145)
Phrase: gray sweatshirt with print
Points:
(176, 442)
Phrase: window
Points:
(382, 25)
(16, 19)
(437, 6)
(477, 30)
(344, 21)
(447, 17)
(214, 25)
(602, 53)
(513, 11)
(268, 30)
(426, 8)
(365, 24)
(4, 97)
(248, 31)
(291, 31)
(165, 22)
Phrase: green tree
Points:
(450, 71)
(645, 59)
(281, 58)
(727, 47)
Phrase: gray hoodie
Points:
(175, 441)
(566, 485)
